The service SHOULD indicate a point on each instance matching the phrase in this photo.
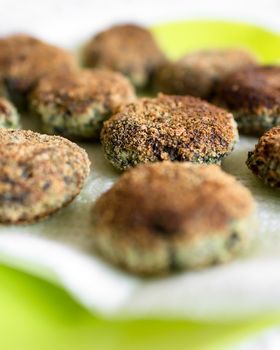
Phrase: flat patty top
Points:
(76, 91)
(25, 59)
(198, 73)
(174, 201)
(39, 174)
(217, 62)
(253, 90)
(171, 128)
(123, 47)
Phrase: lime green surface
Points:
(181, 37)
(35, 314)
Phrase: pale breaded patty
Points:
(24, 60)
(39, 174)
(199, 73)
(76, 105)
(173, 216)
(129, 49)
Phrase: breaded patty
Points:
(253, 96)
(173, 216)
(129, 49)
(264, 161)
(39, 174)
(181, 128)
(9, 117)
(76, 104)
(198, 73)
(24, 59)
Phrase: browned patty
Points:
(253, 95)
(166, 216)
(39, 174)
(76, 104)
(198, 73)
(25, 59)
(264, 161)
(181, 128)
(129, 49)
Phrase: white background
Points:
(66, 22)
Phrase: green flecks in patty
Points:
(176, 128)
(264, 161)
(76, 105)
(255, 124)
(39, 175)
(79, 126)
(9, 117)
(175, 216)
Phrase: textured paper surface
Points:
(61, 246)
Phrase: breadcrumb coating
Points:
(264, 161)
(165, 216)
(199, 73)
(77, 103)
(129, 49)
(253, 95)
(25, 59)
(39, 174)
(181, 128)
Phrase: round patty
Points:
(199, 73)
(172, 216)
(181, 128)
(24, 59)
(39, 174)
(9, 117)
(253, 96)
(129, 49)
(264, 161)
(76, 104)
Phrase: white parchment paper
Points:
(60, 249)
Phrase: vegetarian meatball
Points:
(181, 128)
(129, 49)
(253, 96)
(173, 216)
(264, 161)
(39, 174)
(75, 105)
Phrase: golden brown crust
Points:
(153, 201)
(172, 216)
(76, 91)
(39, 174)
(130, 49)
(198, 73)
(180, 128)
(218, 62)
(252, 91)
(269, 144)
(264, 161)
(24, 59)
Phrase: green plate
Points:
(179, 38)
(35, 314)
